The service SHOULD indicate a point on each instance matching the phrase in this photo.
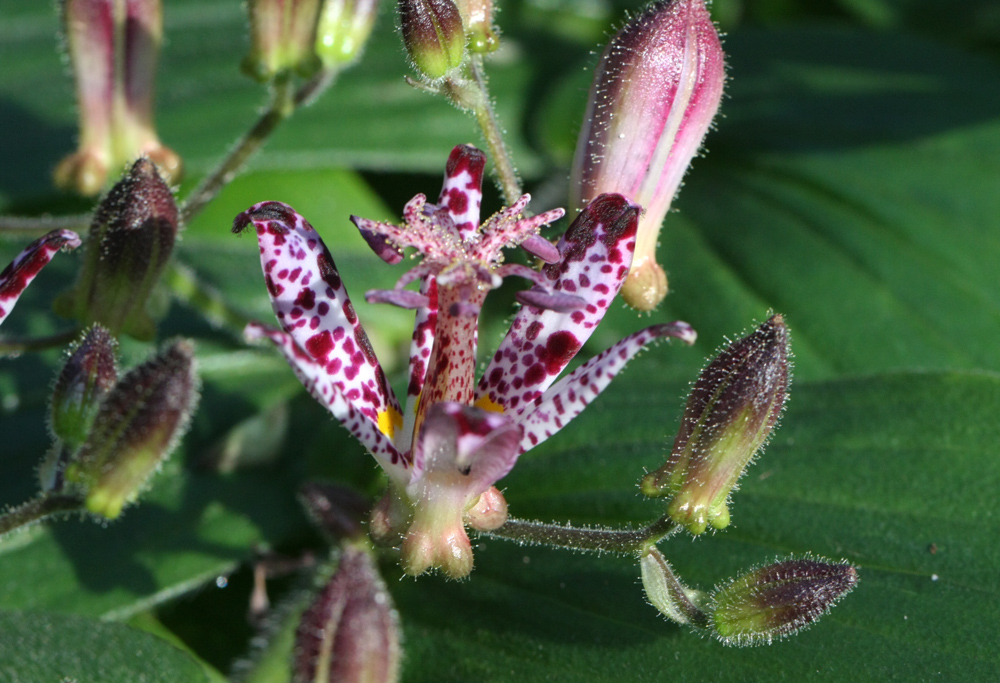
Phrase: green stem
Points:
(482, 108)
(187, 287)
(38, 509)
(14, 347)
(20, 227)
(623, 541)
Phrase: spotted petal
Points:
(420, 352)
(18, 275)
(567, 398)
(312, 305)
(597, 251)
(327, 391)
(462, 192)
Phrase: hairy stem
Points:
(21, 227)
(38, 509)
(624, 541)
(14, 347)
(185, 284)
(487, 119)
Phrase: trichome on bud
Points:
(433, 34)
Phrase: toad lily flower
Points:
(18, 275)
(456, 437)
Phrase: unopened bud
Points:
(477, 15)
(778, 600)
(343, 30)
(135, 429)
(282, 38)
(666, 593)
(433, 34)
(351, 632)
(113, 47)
(729, 415)
(655, 93)
(131, 239)
(86, 379)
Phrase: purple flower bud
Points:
(86, 379)
(282, 38)
(351, 632)
(433, 34)
(343, 30)
(477, 15)
(113, 48)
(655, 93)
(729, 415)
(778, 600)
(131, 239)
(135, 429)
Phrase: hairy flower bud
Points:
(433, 34)
(667, 594)
(729, 415)
(477, 15)
(113, 47)
(778, 600)
(343, 30)
(350, 633)
(282, 38)
(135, 429)
(655, 93)
(85, 380)
(131, 239)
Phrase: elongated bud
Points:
(85, 380)
(113, 46)
(343, 30)
(666, 593)
(131, 239)
(282, 38)
(778, 600)
(136, 428)
(655, 93)
(477, 15)
(729, 415)
(351, 632)
(433, 34)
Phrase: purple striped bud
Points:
(343, 30)
(87, 377)
(729, 415)
(778, 600)
(113, 47)
(655, 93)
(282, 38)
(131, 239)
(351, 632)
(136, 428)
(433, 34)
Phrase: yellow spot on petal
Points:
(486, 403)
(389, 420)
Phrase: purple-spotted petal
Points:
(597, 251)
(420, 352)
(312, 305)
(380, 245)
(462, 193)
(22, 270)
(569, 396)
(471, 447)
(326, 390)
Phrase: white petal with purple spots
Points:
(16, 277)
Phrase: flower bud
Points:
(131, 239)
(343, 30)
(477, 15)
(113, 47)
(433, 35)
(666, 593)
(729, 415)
(350, 633)
(86, 379)
(135, 429)
(655, 93)
(778, 600)
(282, 38)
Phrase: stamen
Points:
(555, 301)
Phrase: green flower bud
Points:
(130, 242)
(86, 379)
(351, 632)
(666, 593)
(282, 38)
(135, 429)
(477, 15)
(433, 35)
(343, 30)
(778, 600)
(729, 415)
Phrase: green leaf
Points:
(50, 647)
